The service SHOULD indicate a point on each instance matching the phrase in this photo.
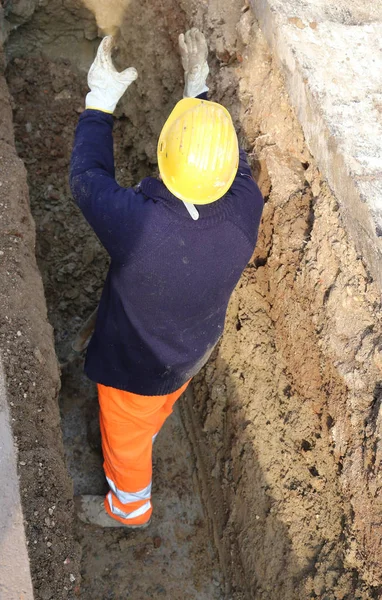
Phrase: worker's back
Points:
(164, 302)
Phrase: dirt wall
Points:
(290, 406)
(32, 379)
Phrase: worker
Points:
(178, 245)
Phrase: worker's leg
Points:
(129, 423)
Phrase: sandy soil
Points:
(285, 418)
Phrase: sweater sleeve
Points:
(244, 170)
(107, 206)
(246, 191)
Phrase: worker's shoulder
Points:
(246, 203)
(138, 195)
(246, 193)
(244, 181)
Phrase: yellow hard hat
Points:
(198, 153)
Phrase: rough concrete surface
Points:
(285, 421)
(15, 577)
(330, 54)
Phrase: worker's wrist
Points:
(195, 81)
(94, 101)
(192, 91)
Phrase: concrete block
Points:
(331, 57)
(15, 578)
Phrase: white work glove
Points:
(106, 85)
(194, 52)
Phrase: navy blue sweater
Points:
(165, 297)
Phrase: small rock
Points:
(378, 359)
(297, 21)
(157, 541)
(90, 30)
(38, 355)
(63, 95)
(243, 28)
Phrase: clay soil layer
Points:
(284, 421)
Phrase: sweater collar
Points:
(156, 189)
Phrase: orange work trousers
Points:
(129, 425)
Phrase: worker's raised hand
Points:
(106, 84)
(194, 52)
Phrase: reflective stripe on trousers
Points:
(129, 425)
(128, 516)
(127, 497)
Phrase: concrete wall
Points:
(330, 54)
(15, 578)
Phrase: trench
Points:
(255, 495)
(175, 554)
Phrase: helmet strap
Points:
(193, 212)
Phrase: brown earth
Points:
(32, 380)
(285, 419)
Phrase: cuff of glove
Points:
(192, 91)
(95, 102)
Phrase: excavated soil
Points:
(283, 424)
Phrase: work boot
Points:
(91, 510)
